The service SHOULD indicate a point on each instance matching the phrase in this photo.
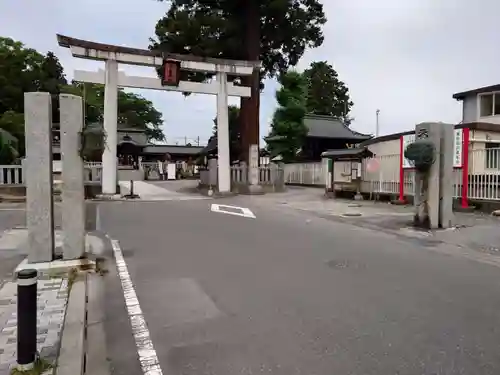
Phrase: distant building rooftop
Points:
(463, 94)
(328, 127)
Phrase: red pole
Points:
(465, 167)
(401, 171)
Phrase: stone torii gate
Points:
(172, 65)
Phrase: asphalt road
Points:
(287, 293)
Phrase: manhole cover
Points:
(351, 214)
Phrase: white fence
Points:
(305, 174)
(483, 175)
(11, 175)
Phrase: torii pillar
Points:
(109, 156)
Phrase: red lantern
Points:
(171, 73)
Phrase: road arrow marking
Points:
(232, 210)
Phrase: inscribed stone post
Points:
(253, 172)
(73, 194)
(39, 179)
(432, 131)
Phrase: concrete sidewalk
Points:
(158, 191)
(52, 302)
(67, 300)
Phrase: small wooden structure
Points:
(344, 169)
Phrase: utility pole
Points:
(377, 125)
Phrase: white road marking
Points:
(147, 354)
(221, 208)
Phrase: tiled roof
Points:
(331, 127)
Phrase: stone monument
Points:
(433, 176)
(39, 177)
(73, 194)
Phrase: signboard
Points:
(407, 139)
(457, 148)
(373, 165)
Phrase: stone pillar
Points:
(328, 168)
(39, 178)
(446, 219)
(253, 170)
(212, 172)
(109, 163)
(432, 131)
(224, 173)
(73, 194)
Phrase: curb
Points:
(71, 360)
(96, 362)
(83, 343)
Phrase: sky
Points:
(403, 57)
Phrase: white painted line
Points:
(221, 208)
(147, 354)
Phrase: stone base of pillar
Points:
(251, 189)
(330, 194)
(399, 202)
(108, 197)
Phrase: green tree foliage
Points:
(219, 29)
(288, 120)
(276, 32)
(134, 111)
(13, 122)
(234, 132)
(326, 94)
(8, 153)
(23, 69)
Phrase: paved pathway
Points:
(286, 292)
(152, 192)
(52, 300)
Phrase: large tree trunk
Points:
(249, 111)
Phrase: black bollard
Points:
(26, 318)
(131, 195)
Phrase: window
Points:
(486, 103)
(492, 155)
(496, 103)
(489, 104)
